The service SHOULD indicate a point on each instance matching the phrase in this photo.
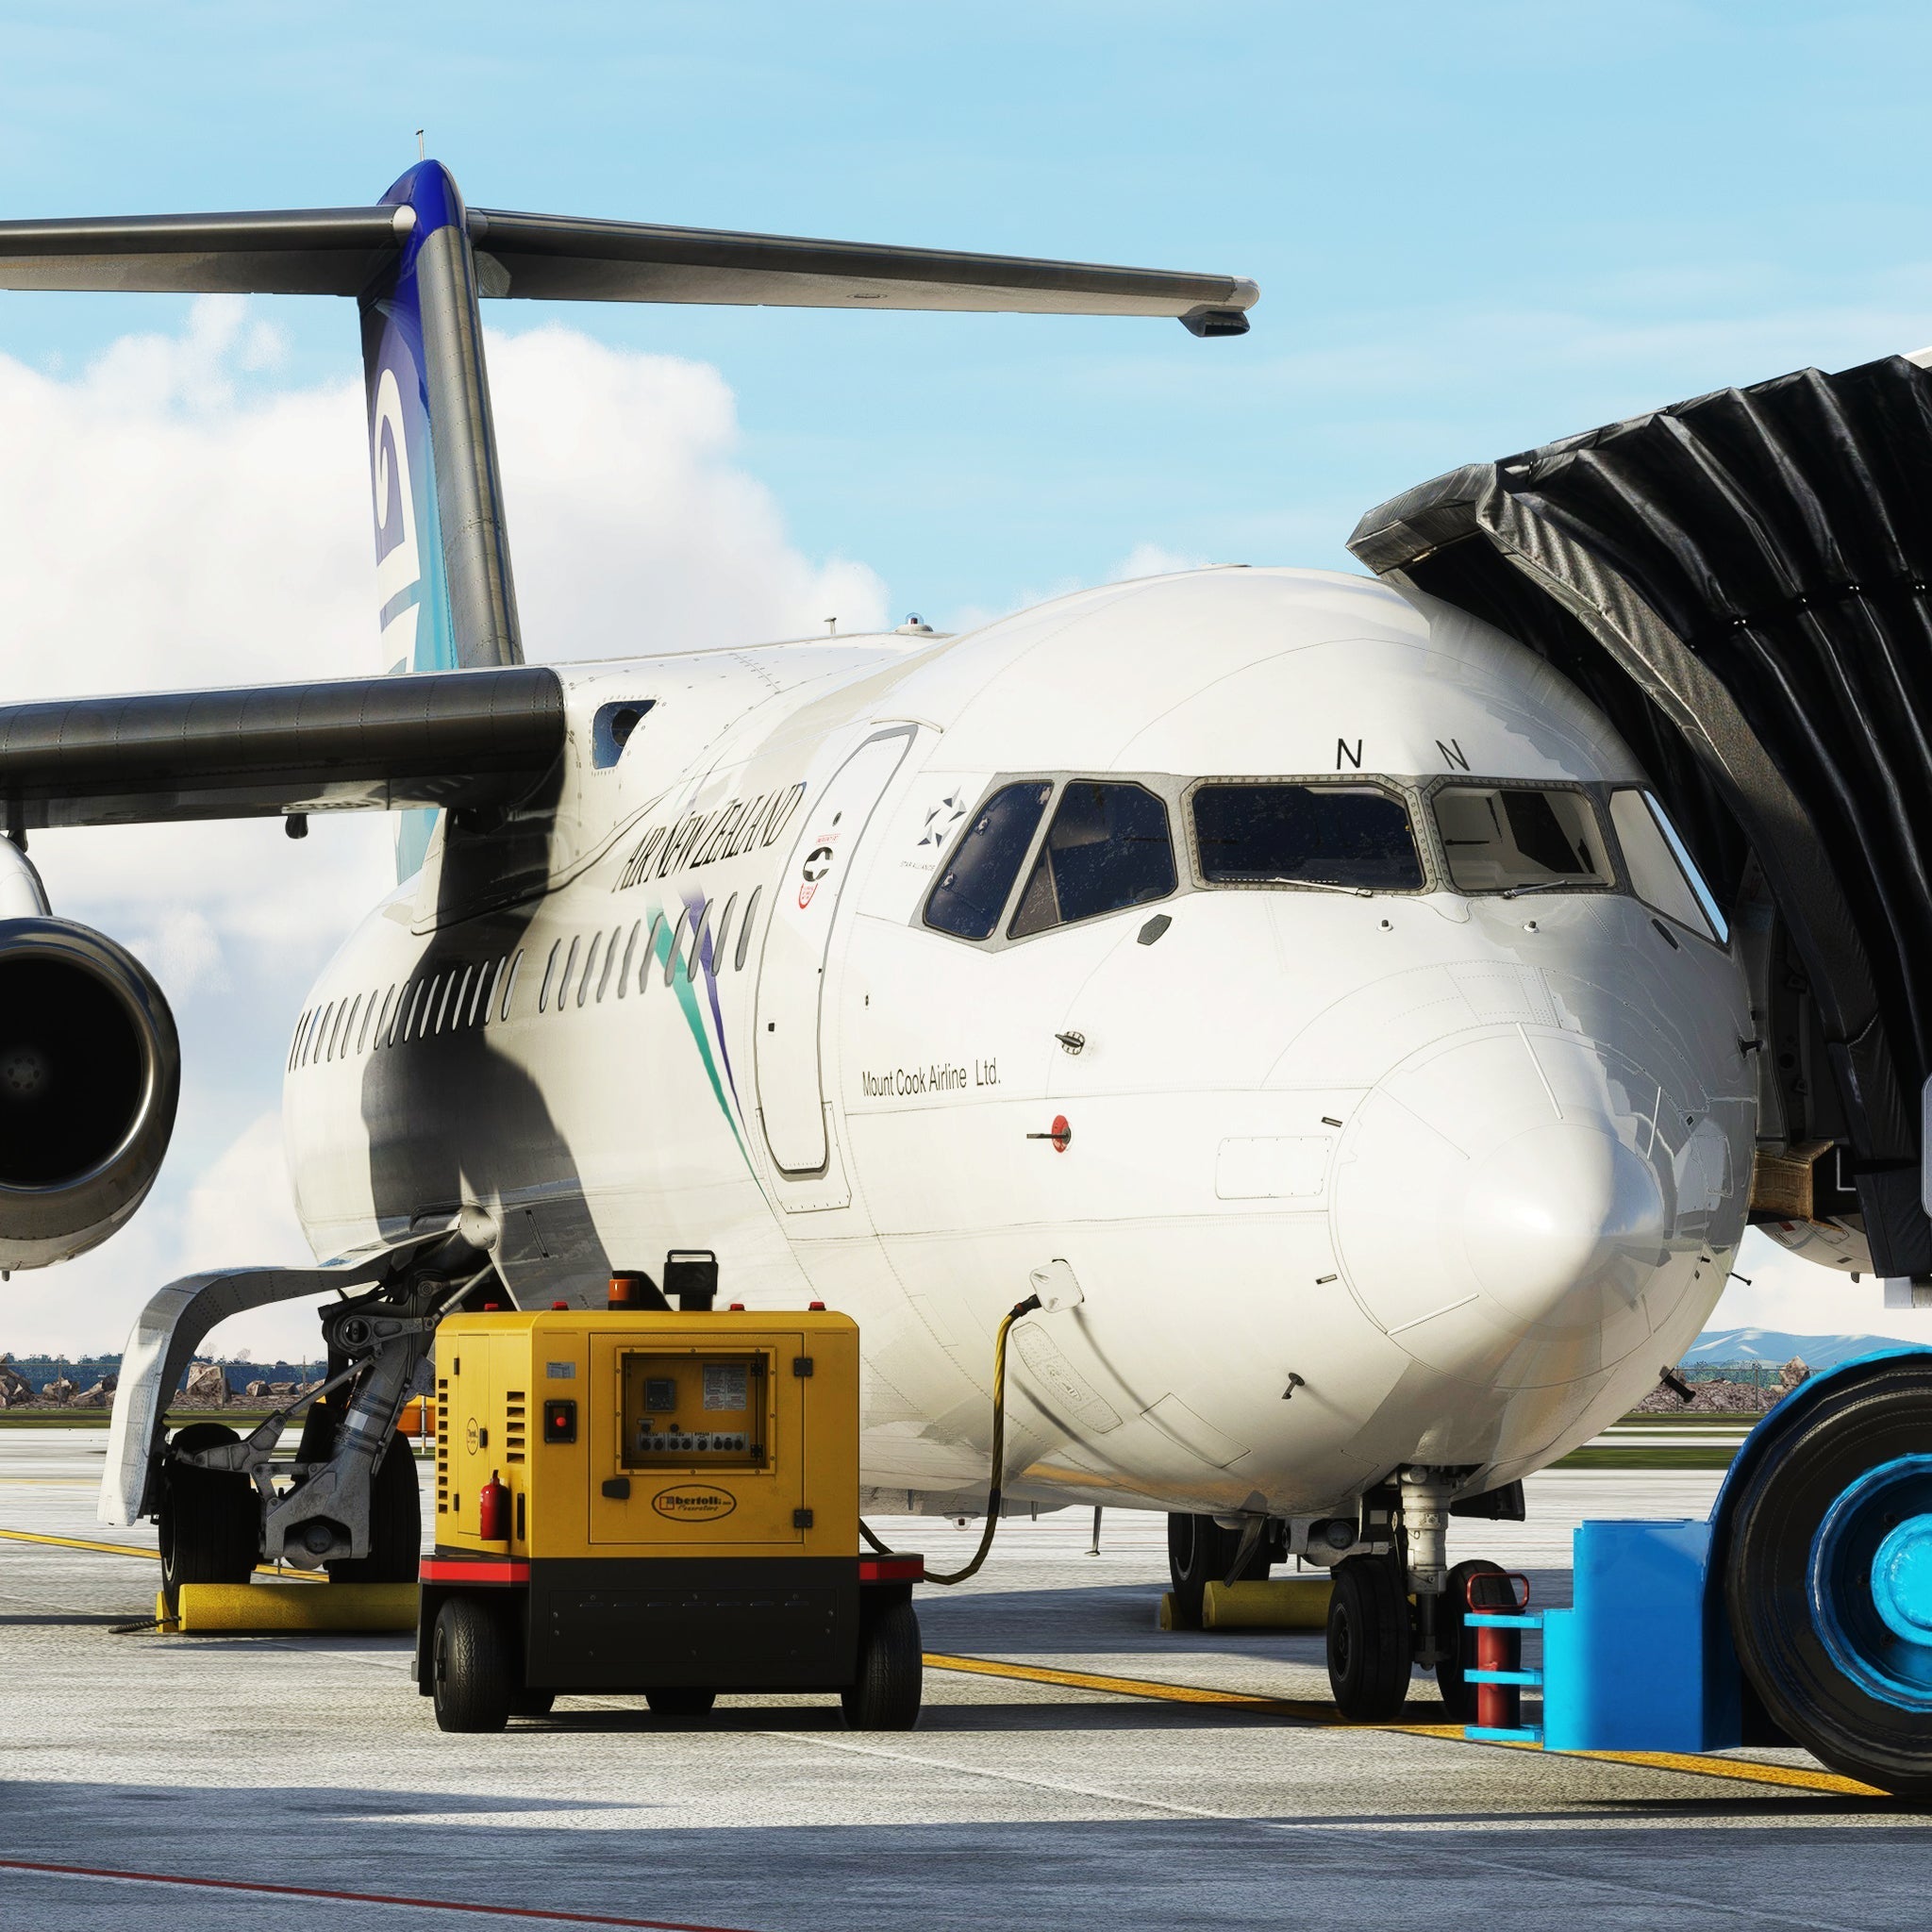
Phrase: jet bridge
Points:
(1743, 583)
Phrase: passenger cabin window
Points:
(1661, 871)
(971, 891)
(1356, 836)
(1106, 848)
(1513, 839)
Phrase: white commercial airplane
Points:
(1293, 980)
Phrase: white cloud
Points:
(168, 517)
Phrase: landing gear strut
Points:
(352, 1506)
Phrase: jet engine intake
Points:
(90, 1076)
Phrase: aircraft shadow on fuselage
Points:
(452, 1121)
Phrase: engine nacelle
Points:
(90, 1076)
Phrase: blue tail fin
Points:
(443, 589)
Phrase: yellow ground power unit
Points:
(656, 1502)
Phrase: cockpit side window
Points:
(1108, 847)
(1499, 838)
(971, 891)
(1661, 870)
(1354, 836)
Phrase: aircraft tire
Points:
(395, 1523)
(1456, 1641)
(680, 1700)
(473, 1665)
(1370, 1642)
(209, 1520)
(885, 1696)
(1200, 1552)
(1827, 1576)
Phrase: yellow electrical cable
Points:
(998, 1456)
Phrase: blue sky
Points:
(1474, 228)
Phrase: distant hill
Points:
(1774, 1348)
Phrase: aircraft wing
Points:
(453, 739)
(559, 258)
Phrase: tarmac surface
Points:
(1075, 1768)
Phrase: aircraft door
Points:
(792, 973)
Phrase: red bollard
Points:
(1498, 1707)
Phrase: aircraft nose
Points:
(1558, 1213)
(1524, 1206)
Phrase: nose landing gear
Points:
(1370, 1643)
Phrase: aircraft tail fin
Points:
(445, 598)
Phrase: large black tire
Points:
(474, 1667)
(886, 1694)
(680, 1700)
(1200, 1552)
(1455, 1640)
(209, 1520)
(1839, 1476)
(395, 1523)
(1369, 1640)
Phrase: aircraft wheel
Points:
(472, 1664)
(885, 1696)
(395, 1523)
(1456, 1641)
(1828, 1576)
(1200, 1552)
(680, 1700)
(209, 1518)
(1369, 1640)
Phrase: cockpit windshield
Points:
(1353, 836)
(1517, 838)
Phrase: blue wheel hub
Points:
(1869, 1582)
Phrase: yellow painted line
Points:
(1738, 1769)
(74, 1543)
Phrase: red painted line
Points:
(359, 1898)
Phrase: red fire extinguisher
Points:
(492, 1509)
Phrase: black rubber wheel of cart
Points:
(1455, 1640)
(1828, 1573)
(680, 1700)
(395, 1523)
(1200, 1552)
(473, 1666)
(885, 1696)
(209, 1518)
(1370, 1639)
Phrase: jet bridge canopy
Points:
(1740, 581)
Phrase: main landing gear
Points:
(349, 1503)
(1200, 1551)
